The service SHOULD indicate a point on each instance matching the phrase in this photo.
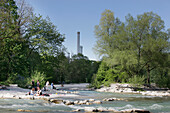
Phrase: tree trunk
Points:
(8, 67)
(148, 74)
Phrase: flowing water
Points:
(151, 103)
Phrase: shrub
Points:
(17, 79)
(4, 83)
(137, 80)
(95, 83)
(107, 83)
(37, 76)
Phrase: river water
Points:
(153, 104)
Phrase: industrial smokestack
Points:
(78, 42)
(81, 49)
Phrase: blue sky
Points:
(71, 16)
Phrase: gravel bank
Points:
(127, 88)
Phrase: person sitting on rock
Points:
(32, 92)
(39, 92)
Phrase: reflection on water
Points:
(153, 104)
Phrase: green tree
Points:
(10, 43)
(105, 32)
(28, 43)
(148, 41)
(139, 45)
(43, 38)
(79, 69)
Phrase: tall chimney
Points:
(81, 49)
(78, 42)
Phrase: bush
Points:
(161, 77)
(26, 82)
(4, 83)
(95, 83)
(163, 82)
(107, 83)
(17, 79)
(37, 76)
(137, 80)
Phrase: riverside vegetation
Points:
(31, 47)
(135, 51)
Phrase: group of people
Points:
(35, 88)
(52, 85)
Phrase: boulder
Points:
(97, 102)
(74, 92)
(76, 102)
(32, 98)
(90, 109)
(81, 102)
(88, 103)
(46, 98)
(22, 110)
(56, 101)
(127, 111)
(17, 97)
(141, 111)
(112, 99)
(3, 87)
(68, 102)
(64, 101)
(135, 111)
(76, 110)
(91, 100)
(102, 109)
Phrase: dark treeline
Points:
(135, 51)
(31, 48)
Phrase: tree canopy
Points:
(31, 47)
(27, 41)
(139, 45)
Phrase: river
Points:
(151, 103)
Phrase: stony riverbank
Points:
(127, 88)
(87, 102)
(14, 92)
